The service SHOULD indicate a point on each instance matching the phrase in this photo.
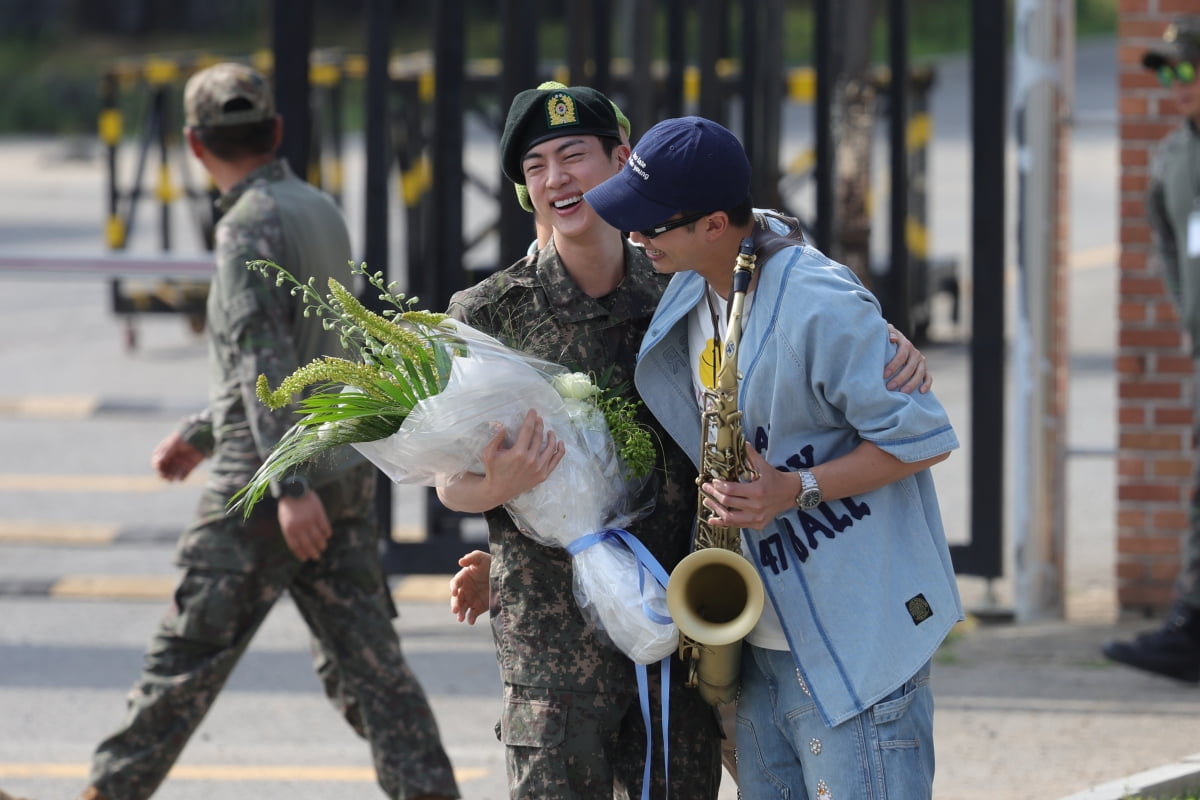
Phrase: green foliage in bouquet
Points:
(634, 441)
(406, 357)
(403, 362)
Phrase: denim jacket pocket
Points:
(896, 704)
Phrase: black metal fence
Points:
(416, 131)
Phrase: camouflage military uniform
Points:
(1173, 196)
(236, 569)
(571, 719)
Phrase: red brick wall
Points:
(1154, 414)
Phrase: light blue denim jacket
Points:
(864, 585)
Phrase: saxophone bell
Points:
(715, 598)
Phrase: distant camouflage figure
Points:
(571, 719)
(1173, 211)
(316, 538)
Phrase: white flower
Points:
(575, 386)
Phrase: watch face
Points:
(810, 499)
(294, 487)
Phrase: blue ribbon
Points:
(647, 563)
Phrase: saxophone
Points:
(715, 596)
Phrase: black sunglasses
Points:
(650, 233)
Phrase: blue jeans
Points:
(786, 751)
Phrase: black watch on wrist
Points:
(293, 486)
(810, 492)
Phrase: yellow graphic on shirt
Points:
(710, 363)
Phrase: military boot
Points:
(1172, 651)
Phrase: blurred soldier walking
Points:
(1173, 209)
(316, 538)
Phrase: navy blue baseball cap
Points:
(684, 164)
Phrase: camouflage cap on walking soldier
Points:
(1180, 42)
(227, 94)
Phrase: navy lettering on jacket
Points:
(824, 522)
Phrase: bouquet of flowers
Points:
(422, 404)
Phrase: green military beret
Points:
(622, 123)
(538, 115)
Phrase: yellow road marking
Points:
(138, 587)
(49, 406)
(423, 589)
(408, 533)
(409, 589)
(82, 533)
(230, 772)
(92, 483)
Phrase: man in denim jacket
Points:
(842, 522)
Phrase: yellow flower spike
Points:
(428, 319)
(405, 341)
(323, 370)
(374, 325)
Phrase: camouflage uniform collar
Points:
(270, 172)
(634, 298)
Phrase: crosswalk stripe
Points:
(406, 589)
(228, 772)
(81, 533)
(132, 587)
(49, 406)
(21, 482)
(422, 589)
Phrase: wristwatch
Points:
(810, 492)
(293, 486)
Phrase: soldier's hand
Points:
(305, 525)
(470, 593)
(174, 459)
(510, 469)
(907, 369)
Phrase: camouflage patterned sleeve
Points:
(260, 339)
(1164, 247)
(197, 430)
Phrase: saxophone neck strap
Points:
(767, 242)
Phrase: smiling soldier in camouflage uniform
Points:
(316, 538)
(571, 719)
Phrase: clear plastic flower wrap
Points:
(422, 401)
(589, 492)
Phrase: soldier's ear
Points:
(622, 151)
(193, 141)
